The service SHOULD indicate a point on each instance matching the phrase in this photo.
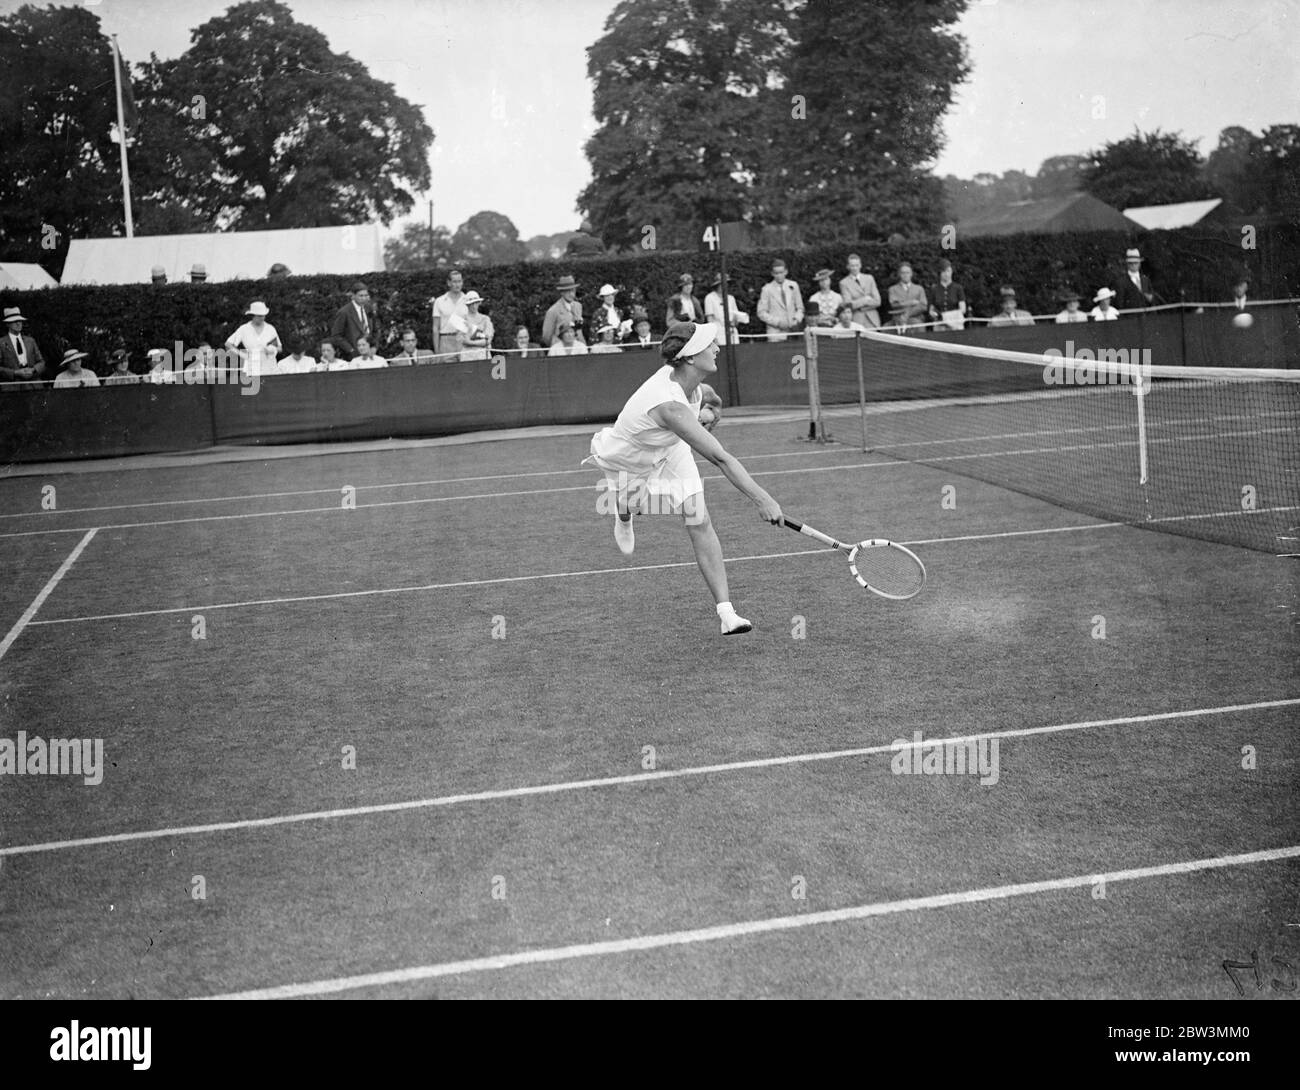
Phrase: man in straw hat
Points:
(1133, 290)
(73, 373)
(19, 356)
(565, 309)
(647, 460)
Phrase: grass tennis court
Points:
(500, 668)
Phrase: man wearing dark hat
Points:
(1071, 313)
(565, 309)
(352, 321)
(684, 306)
(19, 356)
(640, 334)
(647, 459)
(1011, 314)
(1133, 290)
(74, 374)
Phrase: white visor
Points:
(705, 334)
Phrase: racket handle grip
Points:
(796, 526)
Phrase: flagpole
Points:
(121, 136)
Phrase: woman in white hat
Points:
(477, 338)
(256, 340)
(74, 374)
(647, 460)
(1103, 311)
(607, 313)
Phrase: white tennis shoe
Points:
(624, 535)
(733, 624)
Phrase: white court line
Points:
(548, 575)
(752, 927)
(46, 591)
(617, 781)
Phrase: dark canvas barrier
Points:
(768, 374)
(41, 425)
(1271, 340)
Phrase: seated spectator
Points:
(907, 302)
(477, 339)
(329, 358)
(204, 366)
(411, 352)
(684, 306)
(160, 370)
(1011, 314)
(640, 336)
(824, 303)
(567, 343)
(524, 345)
(860, 292)
(256, 340)
(780, 304)
(1239, 292)
(948, 300)
(365, 359)
(605, 341)
(121, 375)
(844, 325)
(1071, 313)
(1103, 311)
(73, 373)
(713, 312)
(297, 362)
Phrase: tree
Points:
(60, 177)
(684, 104)
(418, 248)
(1146, 168)
(1280, 150)
(875, 81)
(1058, 176)
(260, 125)
(488, 238)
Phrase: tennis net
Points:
(1210, 453)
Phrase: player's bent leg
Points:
(708, 555)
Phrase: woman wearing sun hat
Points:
(647, 460)
(256, 340)
(477, 338)
(74, 374)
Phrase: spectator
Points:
(160, 371)
(524, 345)
(449, 314)
(844, 325)
(20, 358)
(352, 320)
(713, 312)
(684, 306)
(640, 336)
(204, 367)
(1239, 292)
(297, 362)
(907, 302)
(780, 304)
(477, 339)
(565, 309)
(365, 359)
(859, 290)
(1010, 313)
(567, 343)
(1103, 311)
(410, 353)
(198, 273)
(1133, 290)
(74, 374)
(585, 243)
(824, 303)
(278, 271)
(1071, 313)
(158, 274)
(329, 359)
(256, 340)
(606, 340)
(121, 374)
(948, 300)
(607, 313)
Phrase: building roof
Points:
(1072, 212)
(231, 255)
(1169, 217)
(19, 276)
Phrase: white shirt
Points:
(67, 379)
(291, 366)
(16, 339)
(160, 374)
(713, 313)
(636, 441)
(1066, 316)
(254, 346)
(575, 349)
(1110, 315)
(444, 307)
(361, 363)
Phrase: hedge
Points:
(1192, 264)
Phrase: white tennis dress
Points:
(636, 452)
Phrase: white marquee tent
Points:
(19, 276)
(234, 255)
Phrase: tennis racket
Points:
(882, 567)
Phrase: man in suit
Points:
(352, 321)
(20, 358)
(640, 335)
(1133, 290)
(565, 309)
(780, 304)
(907, 301)
(859, 290)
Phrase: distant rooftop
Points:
(1169, 217)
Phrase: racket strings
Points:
(888, 569)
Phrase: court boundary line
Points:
(747, 928)
(628, 779)
(30, 612)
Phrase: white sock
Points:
(725, 610)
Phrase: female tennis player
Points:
(647, 453)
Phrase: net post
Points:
(816, 428)
(1140, 392)
(862, 391)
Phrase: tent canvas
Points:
(19, 276)
(1169, 217)
(232, 255)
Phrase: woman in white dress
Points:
(477, 338)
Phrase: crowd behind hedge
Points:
(1193, 265)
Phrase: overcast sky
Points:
(504, 82)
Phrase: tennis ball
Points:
(1243, 320)
(708, 417)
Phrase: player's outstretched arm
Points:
(681, 421)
